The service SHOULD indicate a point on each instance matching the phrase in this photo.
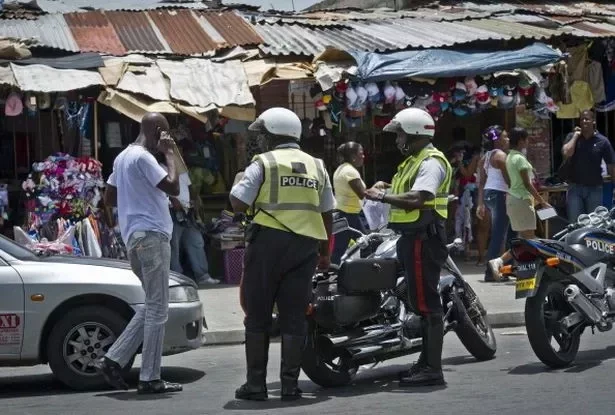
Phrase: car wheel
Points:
(77, 340)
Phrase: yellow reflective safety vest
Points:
(289, 198)
(404, 180)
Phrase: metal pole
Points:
(95, 130)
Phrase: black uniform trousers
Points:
(278, 268)
(422, 254)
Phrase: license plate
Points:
(526, 279)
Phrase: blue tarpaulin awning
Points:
(440, 63)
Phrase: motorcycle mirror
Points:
(340, 225)
(594, 219)
(583, 219)
(601, 211)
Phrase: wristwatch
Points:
(381, 196)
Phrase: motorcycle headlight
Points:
(183, 294)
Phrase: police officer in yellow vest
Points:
(289, 194)
(418, 196)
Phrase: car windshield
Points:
(16, 250)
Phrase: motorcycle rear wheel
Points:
(542, 314)
(475, 333)
(326, 371)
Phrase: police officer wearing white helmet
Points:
(418, 196)
(289, 194)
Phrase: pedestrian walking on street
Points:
(418, 196)
(139, 187)
(492, 191)
(292, 201)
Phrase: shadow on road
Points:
(586, 359)
(372, 381)
(171, 374)
(46, 385)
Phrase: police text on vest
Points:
(298, 182)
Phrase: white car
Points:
(67, 311)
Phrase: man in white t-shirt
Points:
(139, 187)
(186, 235)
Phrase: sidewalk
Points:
(225, 318)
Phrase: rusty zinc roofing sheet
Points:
(137, 32)
(94, 33)
(230, 26)
(183, 32)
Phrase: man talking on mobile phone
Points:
(139, 187)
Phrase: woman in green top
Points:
(521, 194)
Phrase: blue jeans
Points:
(582, 199)
(190, 240)
(495, 201)
(342, 239)
(150, 256)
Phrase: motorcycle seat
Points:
(587, 255)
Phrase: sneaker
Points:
(494, 267)
(207, 280)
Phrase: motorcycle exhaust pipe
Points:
(368, 335)
(582, 304)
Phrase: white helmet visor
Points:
(393, 126)
(258, 125)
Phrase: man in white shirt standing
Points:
(139, 187)
(186, 234)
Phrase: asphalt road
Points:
(513, 383)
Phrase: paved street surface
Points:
(513, 383)
(225, 317)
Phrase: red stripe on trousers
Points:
(418, 276)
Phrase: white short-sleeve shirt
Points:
(141, 205)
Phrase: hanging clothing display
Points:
(63, 194)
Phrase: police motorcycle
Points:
(568, 285)
(360, 314)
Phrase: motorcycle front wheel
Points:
(553, 345)
(473, 329)
(324, 367)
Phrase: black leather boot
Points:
(292, 350)
(257, 355)
(422, 361)
(431, 373)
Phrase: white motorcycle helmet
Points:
(412, 121)
(278, 121)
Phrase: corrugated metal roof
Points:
(94, 33)
(373, 36)
(137, 32)
(182, 32)
(230, 26)
(50, 30)
(202, 83)
(302, 40)
(41, 78)
(419, 33)
(68, 6)
(513, 30)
